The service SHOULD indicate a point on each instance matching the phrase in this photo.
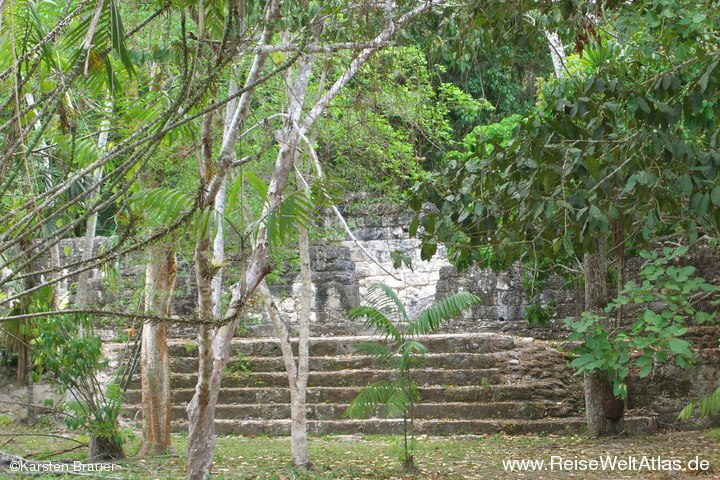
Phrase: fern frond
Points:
(708, 406)
(443, 310)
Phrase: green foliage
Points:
(537, 314)
(627, 140)
(75, 362)
(400, 348)
(391, 122)
(400, 258)
(665, 302)
(489, 51)
(707, 406)
(241, 366)
(284, 260)
(297, 209)
(190, 346)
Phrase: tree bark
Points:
(104, 449)
(82, 292)
(201, 409)
(298, 385)
(154, 359)
(603, 411)
(557, 52)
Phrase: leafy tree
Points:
(74, 363)
(399, 347)
(620, 151)
(664, 302)
(392, 118)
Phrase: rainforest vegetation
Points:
(566, 138)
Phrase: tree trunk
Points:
(298, 386)
(82, 294)
(603, 411)
(154, 358)
(104, 449)
(201, 409)
(557, 52)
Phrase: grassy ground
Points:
(373, 457)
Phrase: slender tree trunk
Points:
(82, 293)
(154, 359)
(298, 385)
(602, 409)
(201, 409)
(214, 346)
(557, 52)
(297, 382)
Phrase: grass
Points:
(376, 457)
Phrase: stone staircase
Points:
(470, 383)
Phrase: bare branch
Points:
(339, 216)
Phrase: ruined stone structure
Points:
(342, 273)
(488, 371)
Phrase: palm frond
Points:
(395, 396)
(407, 349)
(376, 320)
(444, 309)
(383, 298)
(162, 204)
(296, 210)
(380, 351)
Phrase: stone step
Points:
(344, 345)
(336, 411)
(552, 392)
(351, 362)
(646, 425)
(345, 378)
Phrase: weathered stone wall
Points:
(342, 273)
(670, 388)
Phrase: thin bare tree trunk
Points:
(154, 359)
(557, 52)
(298, 387)
(298, 378)
(82, 292)
(201, 409)
(603, 411)
(219, 240)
